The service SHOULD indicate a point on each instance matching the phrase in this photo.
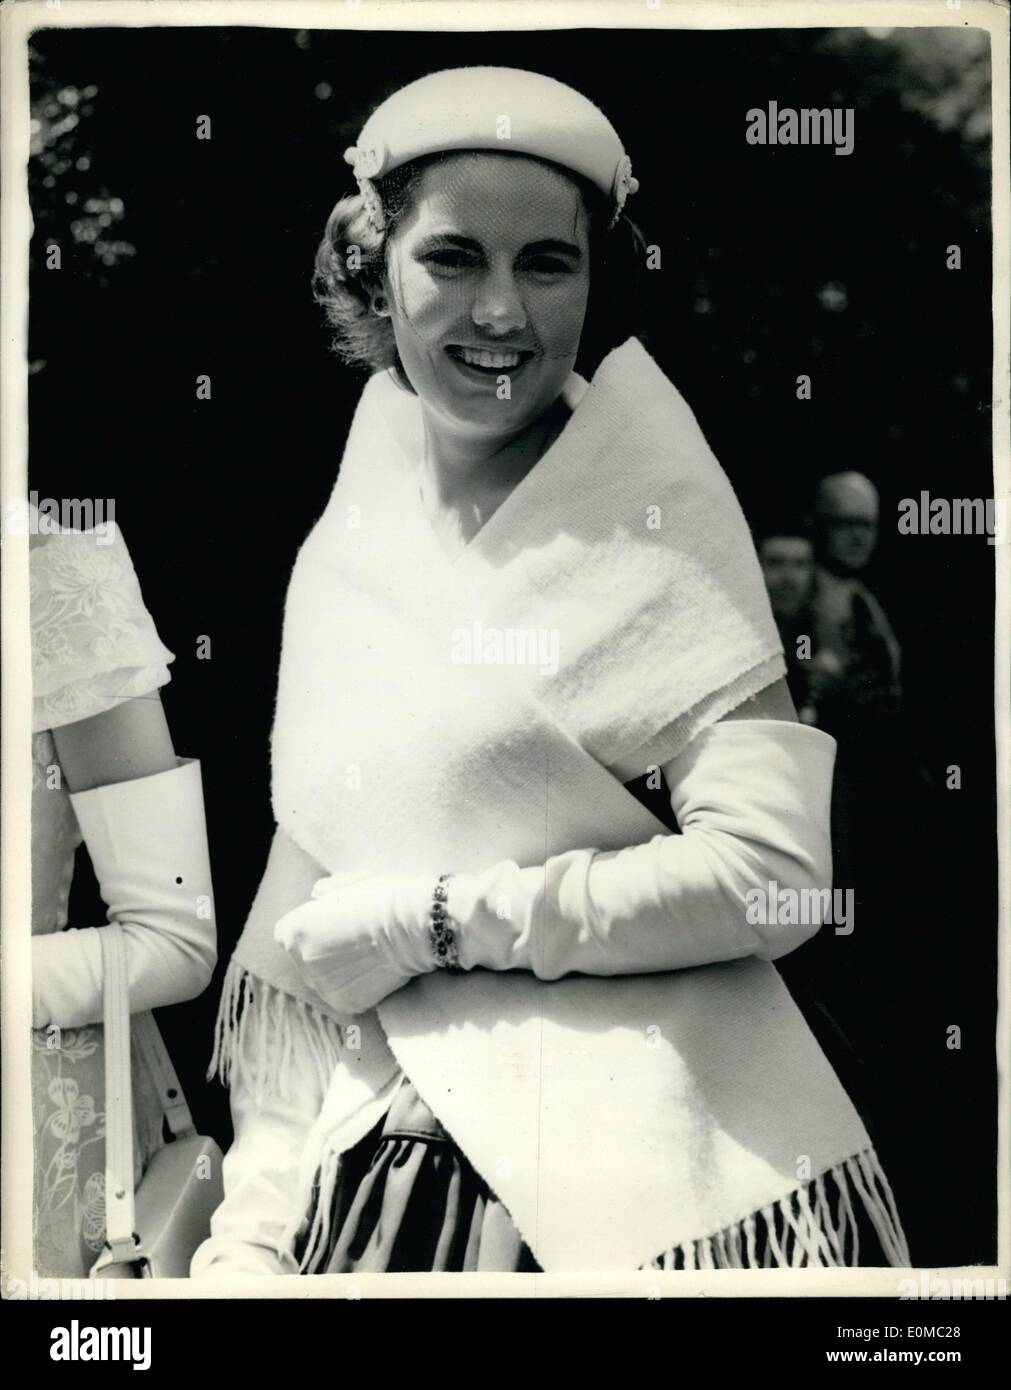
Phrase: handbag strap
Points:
(119, 1028)
(151, 1046)
(119, 1206)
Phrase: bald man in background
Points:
(850, 626)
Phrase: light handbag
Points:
(151, 1233)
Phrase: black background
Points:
(215, 496)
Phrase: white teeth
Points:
(482, 357)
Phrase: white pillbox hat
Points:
(505, 110)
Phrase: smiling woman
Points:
(476, 293)
(487, 307)
(352, 260)
(462, 1038)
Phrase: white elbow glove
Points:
(752, 799)
(261, 1174)
(147, 839)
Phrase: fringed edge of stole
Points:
(799, 1231)
(262, 1033)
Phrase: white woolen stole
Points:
(438, 715)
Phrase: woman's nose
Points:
(499, 305)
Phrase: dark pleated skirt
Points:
(407, 1201)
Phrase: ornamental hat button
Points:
(370, 159)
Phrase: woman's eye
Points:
(450, 259)
(548, 265)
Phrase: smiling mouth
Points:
(491, 361)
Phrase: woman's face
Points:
(487, 279)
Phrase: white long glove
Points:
(752, 799)
(262, 1166)
(147, 839)
(361, 937)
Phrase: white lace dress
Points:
(94, 646)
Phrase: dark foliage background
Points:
(184, 256)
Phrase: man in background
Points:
(788, 566)
(850, 626)
(787, 560)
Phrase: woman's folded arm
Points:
(752, 800)
(141, 814)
